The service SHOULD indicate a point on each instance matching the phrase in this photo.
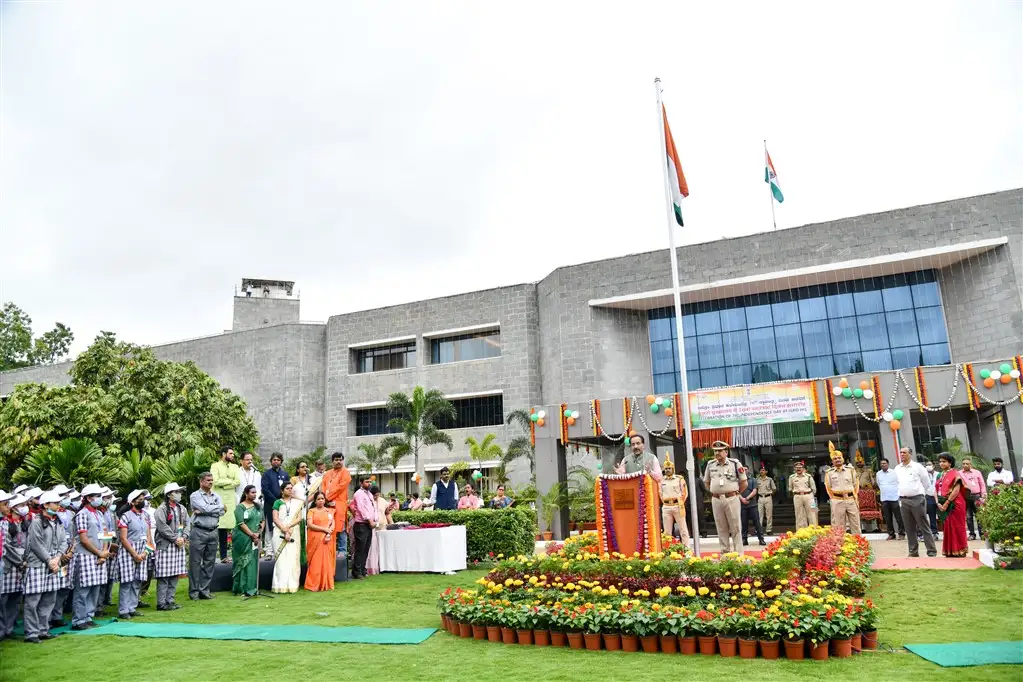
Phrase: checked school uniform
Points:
(67, 520)
(170, 561)
(46, 541)
(91, 576)
(15, 539)
(131, 574)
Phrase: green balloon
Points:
(858, 392)
(985, 373)
(534, 417)
(655, 408)
(568, 413)
(1005, 368)
(600, 466)
(898, 414)
(847, 392)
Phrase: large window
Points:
(466, 347)
(864, 325)
(372, 422)
(469, 412)
(383, 358)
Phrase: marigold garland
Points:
(564, 424)
(878, 409)
(595, 416)
(921, 386)
(679, 412)
(626, 412)
(830, 398)
(974, 398)
(532, 428)
(1017, 363)
(816, 403)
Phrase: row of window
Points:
(469, 412)
(874, 324)
(458, 348)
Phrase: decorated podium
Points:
(627, 514)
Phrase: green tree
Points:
(415, 418)
(485, 450)
(17, 347)
(133, 472)
(73, 461)
(520, 445)
(183, 468)
(374, 455)
(124, 398)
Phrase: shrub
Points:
(1002, 513)
(510, 532)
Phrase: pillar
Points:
(1013, 416)
(888, 448)
(983, 435)
(550, 470)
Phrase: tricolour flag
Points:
(676, 178)
(771, 178)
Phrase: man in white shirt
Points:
(1000, 476)
(248, 475)
(913, 481)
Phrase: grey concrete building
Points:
(927, 285)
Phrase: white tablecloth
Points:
(427, 550)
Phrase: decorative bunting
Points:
(971, 394)
(792, 433)
(626, 415)
(703, 438)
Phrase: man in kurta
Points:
(335, 487)
(674, 494)
(766, 488)
(843, 487)
(804, 497)
(226, 478)
(638, 460)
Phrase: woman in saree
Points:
(951, 508)
(287, 515)
(870, 509)
(320, 545)
(248, 519)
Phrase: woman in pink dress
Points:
(951, 508)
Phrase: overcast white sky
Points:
(154, 153)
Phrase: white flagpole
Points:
(770, 192)
(683, 383)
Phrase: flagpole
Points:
(681, 411)
(770, 192)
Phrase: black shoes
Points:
(205, 596)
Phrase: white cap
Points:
(135, 493)
(148, 494)
(33, 492)
(4, 496)
(74, 495)
(61, 489)
(171, 487)
(92, 489)
(48, 497)
(20, 488)
(17, 500)
(106, 492)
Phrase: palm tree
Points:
(415, 420)
(520, 445)
(183, 468)
(485, 450)
(134, 472)
(73, 461)
(374, 456)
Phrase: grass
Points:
(919, 606)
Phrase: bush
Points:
(1002, 513)
(502, 531)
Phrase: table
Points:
(425, 550)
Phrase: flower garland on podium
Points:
(605, 516)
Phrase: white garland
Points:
(645, 426)
(600, 427)
(999, 403)
(951, 396)
(622, 477)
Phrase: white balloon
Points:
(1014, 374)
(837, 390)
(541, 414)
(886, 415)
(575, 414)
(868, 394)
(659, 402)
(996, 375)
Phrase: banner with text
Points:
(747, 405)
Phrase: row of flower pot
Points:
(668, 644)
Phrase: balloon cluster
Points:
(571, 416)
(846, 391)
(538, 418)
(477, 475)
(894, 418)
(1005, 373)
(657, 404)
(417, 479)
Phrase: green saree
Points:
(244, 557)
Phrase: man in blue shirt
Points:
(888, 484)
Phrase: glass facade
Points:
(469, 412)
(865, 325)
(465, 347)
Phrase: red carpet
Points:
(938, 562)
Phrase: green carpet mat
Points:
(270, 633)
(962, 654)
(19, 629)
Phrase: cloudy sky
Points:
(152, 154)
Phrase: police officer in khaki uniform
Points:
(674, 494)
(766, 489)
(804, 497)
(843, 488)
(725, 478)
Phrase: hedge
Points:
(502, 531)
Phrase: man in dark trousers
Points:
(365, 510)
(273, 479)
(750, 511)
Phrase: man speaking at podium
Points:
(639, 461)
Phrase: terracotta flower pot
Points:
(479, 631)
(464, 630)
(630, 642)
(525, 637)
(453, 626)
(708, 644)
(728, 646)
(747, 648)
(819, 652)
(649, 643)
(869, 639)
(669, 644)
(687, 645)
(494, 633)
(842, 648)
(769, 648)
(508, 636)
(575, 640)
(592, 640)
(857, 643)
(541, 637)
(612, 641)
(795, 649)
(557, 638)
(548, 536)
(444, 621)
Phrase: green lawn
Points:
(919, 606)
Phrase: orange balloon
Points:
(650, 399)
(894, 424)
(865, 385)
(571, 421)
(1005, 379)
(843, 383)
(989, 383)
(667, 412)
(540, 422)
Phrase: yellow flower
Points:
(509, 582)
(681, 588)
(795, 552)
(817, 590)
(500, 556)
(625, 592)
(783, 582)
(760, 593)
(757, 583)
(713, 594)
(728, 573)
(656, 607)
(703, 591)
(628, 568)
(745, 593)
(533, 580)
(735, 599)
(822, 583)
(646, 569)
(725, 586)
(625, 602)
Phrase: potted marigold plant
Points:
(768, 630)
(868, 623)
(508, 619)
(795, 631)
(841, 641)
(666, 628)
(558, 617)
(683, 626)
(526, 621)
(728, 631)
(474, 614)
(821, 627)
(626, 622)
(746, 626)
(704, 627)
(541, 621)
(609, 622)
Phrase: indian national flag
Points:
(771, 178)
(676, 178)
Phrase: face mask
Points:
(50, 512)
(930, 467)
(22, 511)
(65, 503)
(96, 502)
(139, 504)
(175, 497)
(76, 503)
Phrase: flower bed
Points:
(793, 592)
